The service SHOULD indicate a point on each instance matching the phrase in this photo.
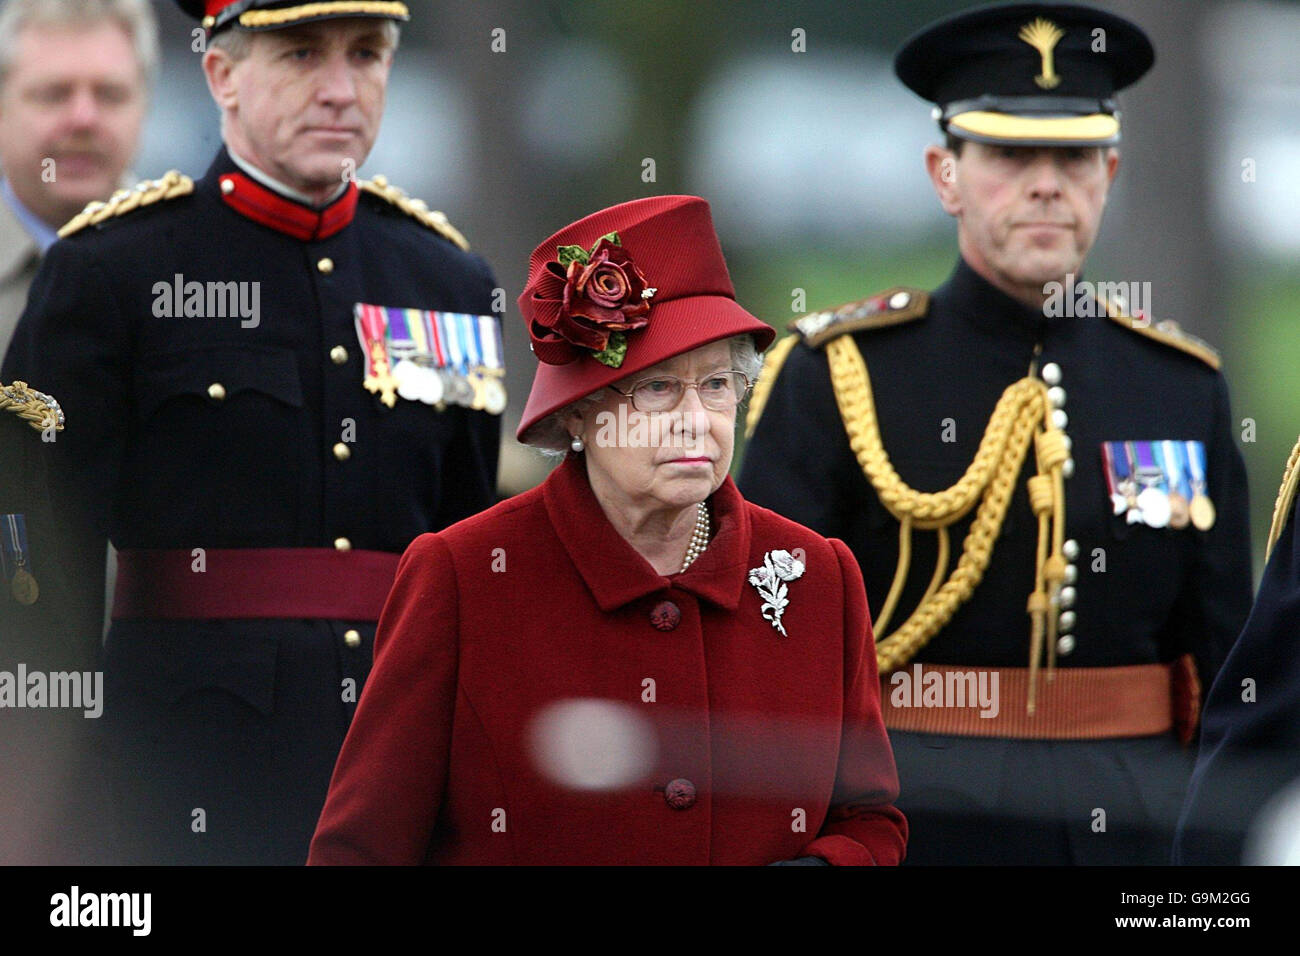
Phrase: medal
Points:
(24, 587)
(1202, 513)
(1201, 508)
(494, 396)
(409, 379)
(1179, 511)
(372, 332)
(1118, 501)
(432, 357)
(494, 390)
(1153, 499)
(458, 390)
(429, 391)
(22, 584)
(1128, 484)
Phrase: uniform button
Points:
(1071, 549)
(217, 392)
(1052, 373)
(666, 616)
(342, 452)
(352, 639)
(1071, 574)
(1067, 468)
(1068, 595)
(338, 355)
(227, 186)
(1059, 418)
(899, 300)
(680, 794)
(342, 544)
(1068, 442)
(1056, 395)
(1067, 621)
(326, 265)
(1065, 645)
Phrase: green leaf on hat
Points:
(611, 236)
(568, 254)
(613, 353)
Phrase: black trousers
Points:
(222, 735)
(974, 800)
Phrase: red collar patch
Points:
(250, 198)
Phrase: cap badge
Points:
(1043, 35)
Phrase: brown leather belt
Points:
(1079, 703)
(254, 583)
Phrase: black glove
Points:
(801, 861)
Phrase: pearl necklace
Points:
(699, 537)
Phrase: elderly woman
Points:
(629, 663)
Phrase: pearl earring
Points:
(577, 444)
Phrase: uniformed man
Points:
(1243, 804)
(280, 376)
(42, 744)
(1041, 487)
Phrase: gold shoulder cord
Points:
(1022, 413)
(172, 186)
(417, 209)
(772, 363)
(1285, 498)
(39, 410)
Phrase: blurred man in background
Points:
(281, 375)
(1059, 735)
(74, 81)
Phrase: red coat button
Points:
(666, 616)
(680, 794)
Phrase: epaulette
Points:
(1166, 331)
(1285, 499)
(172, 185)
(894, 307)
(417, 209)
(39, 410)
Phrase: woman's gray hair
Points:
(136, 17)
(551, 435)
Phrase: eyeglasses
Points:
(719, 391)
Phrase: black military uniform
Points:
(258, 494)
(1242, 802)
(50, 781)
(1123, 595)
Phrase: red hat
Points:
(276, 14)
(622, 290)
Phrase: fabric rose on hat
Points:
(603, 295)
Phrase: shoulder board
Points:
(1166, 331)
(146, 193)
(417, 209)
(1285, 499)
(36, 408)
(893, 307)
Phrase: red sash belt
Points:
(254, 583)
(1080, 703)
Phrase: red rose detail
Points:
(587, 301)
(601, 296)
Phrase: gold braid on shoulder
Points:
(39, 410)
(1022, 414)
(1285, 499)
(772, 363)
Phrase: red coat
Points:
(754, 747)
